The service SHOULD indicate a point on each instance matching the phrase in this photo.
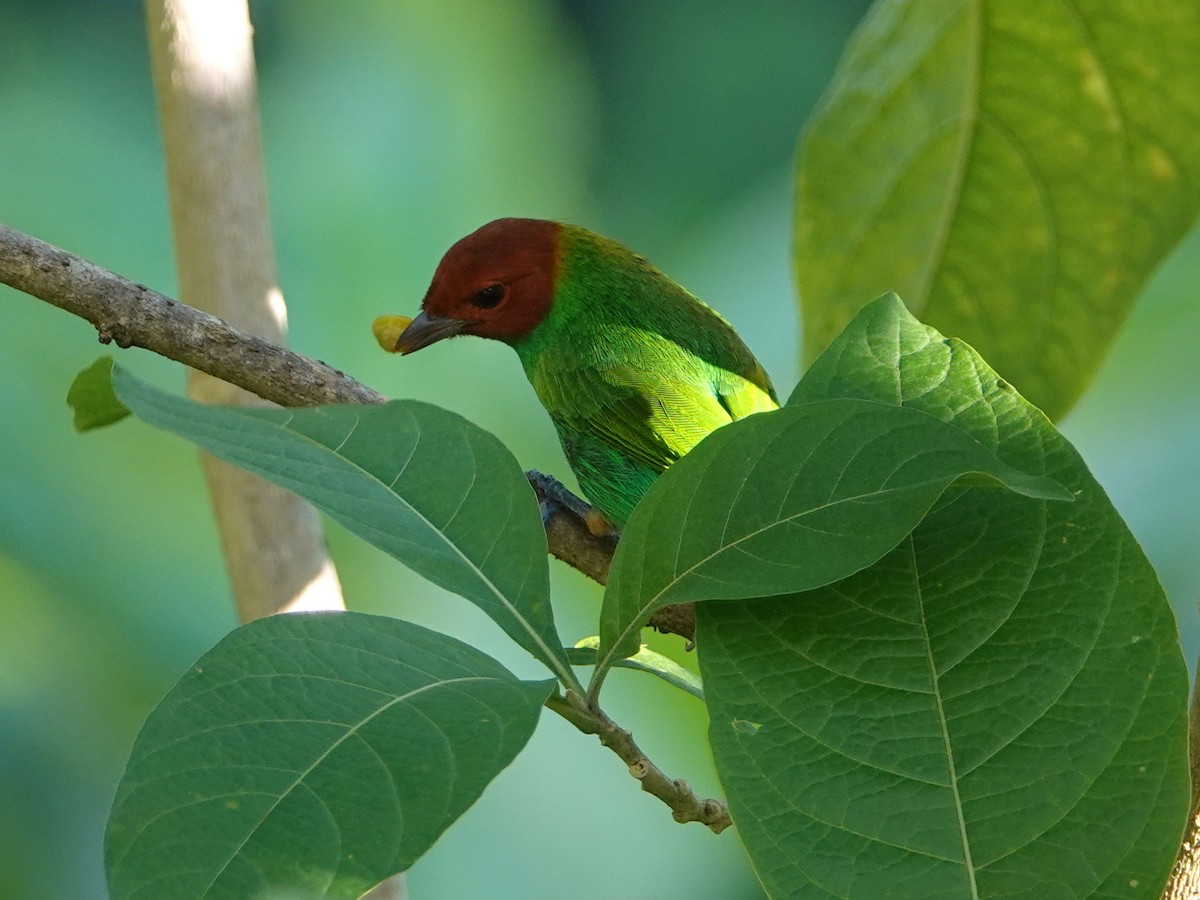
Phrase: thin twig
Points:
(685, 804)
(131, 315)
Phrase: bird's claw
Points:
(553, 498)
(549, 508)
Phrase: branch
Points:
(686, 805)
(132, 315)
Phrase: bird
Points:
(633, 369)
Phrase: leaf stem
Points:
(603, 667)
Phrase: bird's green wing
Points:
(641, 413)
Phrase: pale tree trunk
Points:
(1184, 883)
(204, 75)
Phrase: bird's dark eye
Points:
(489, 296)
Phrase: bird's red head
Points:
(497, 282)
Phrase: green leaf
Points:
(645, 660)
(996, 708)
(785, 501)
(319, 751)
(422, 484)
(1015, 170)
(92, 399)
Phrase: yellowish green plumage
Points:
(633, 370)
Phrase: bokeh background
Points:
(391, 128)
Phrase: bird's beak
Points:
(425, 330)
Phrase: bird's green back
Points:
(633, 370)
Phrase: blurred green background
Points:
(391, 129)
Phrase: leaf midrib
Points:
(943, 726)
(351, 731)
(550, 658)
(652, 603)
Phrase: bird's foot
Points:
(549, 508)
(553, 499)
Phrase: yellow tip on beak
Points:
(387, 330)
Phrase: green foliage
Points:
(921, 684)
(785, 501)
(423, 484)
(1014, 170)
(91, 397)
(996, 708)
(319, 751)
(951, 660)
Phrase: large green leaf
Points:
(421, 483)
(1015, 169)
(996, 708)
(786, 501)
(323, 751)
